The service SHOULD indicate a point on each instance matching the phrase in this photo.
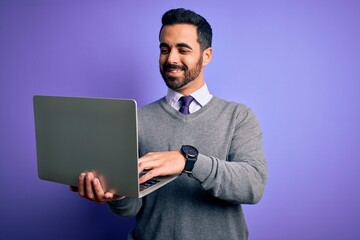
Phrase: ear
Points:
(207, 56)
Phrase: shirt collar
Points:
(202, 96)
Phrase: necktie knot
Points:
(185, 103)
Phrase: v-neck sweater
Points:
(230, 171)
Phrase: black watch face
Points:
(190, 150)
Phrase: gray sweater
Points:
(230, 171)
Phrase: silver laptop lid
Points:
(75, 134)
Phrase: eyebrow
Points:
(177, 45)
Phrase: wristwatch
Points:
(191, 154)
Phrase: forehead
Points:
(179, 33)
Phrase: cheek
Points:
(190, 61)
(189, 64)
(162, 60)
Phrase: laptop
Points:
(78, 134)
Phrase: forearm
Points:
(241, 177)
(126, 207)
(237, 182)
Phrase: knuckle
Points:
(150, 175)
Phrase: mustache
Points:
(174, 66)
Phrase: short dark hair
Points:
(181, 15)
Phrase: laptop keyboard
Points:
(148, 184)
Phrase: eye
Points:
(184, 50)
(164, 50)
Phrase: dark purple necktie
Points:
(185, 103)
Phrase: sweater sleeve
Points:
(241, 177)
(126, 207)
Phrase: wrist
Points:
(190, 154)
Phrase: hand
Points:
(90, 188)
(161, 164)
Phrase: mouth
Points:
(173, 70)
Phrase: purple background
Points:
(295, 63)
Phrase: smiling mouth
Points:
(174, 68)
(172, 71)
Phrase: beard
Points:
(176, 83)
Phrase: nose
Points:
(173, 57)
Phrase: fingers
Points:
(161, 164)
(89, 193)
(110, 195)
(146, 161)
(85, 185)
(91, 188)
(81, 184)
(149, 175)
(149, 161)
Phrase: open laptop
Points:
(76, 134)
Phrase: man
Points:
(227, 168)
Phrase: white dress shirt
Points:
(201, 97)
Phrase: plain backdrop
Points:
(296, 63)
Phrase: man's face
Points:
(181, 60)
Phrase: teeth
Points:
(173, 70)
